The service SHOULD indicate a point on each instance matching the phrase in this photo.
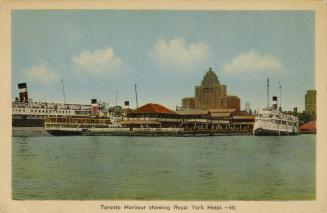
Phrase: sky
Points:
(165, 53)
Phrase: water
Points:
(164, 168)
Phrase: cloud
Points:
(98, 61)
(40, 73)
(177, 55)
(253, 62)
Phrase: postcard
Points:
(145, 106)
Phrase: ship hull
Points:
(64, 132)
(27, 122)
(269, 132)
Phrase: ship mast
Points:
(116, 96)
(268, 91)
(280, 96)
(63, 89)
(137, 104)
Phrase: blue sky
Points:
(166, 53)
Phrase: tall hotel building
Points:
(310, 102)
(211, 95)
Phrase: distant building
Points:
(247, 108)
(188, 102)
(310, 102)
(211, 95)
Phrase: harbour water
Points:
(163, 168)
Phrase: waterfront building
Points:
(231, 120)
(194, 119)
(157, 116)
(151, 116)
(309, 127)
(310, 102)
(211, 95)
(223, 120)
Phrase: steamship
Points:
(270, 121)
(28, 113)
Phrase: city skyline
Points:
(166, 53)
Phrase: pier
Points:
(154, 120)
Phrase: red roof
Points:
(311, 126)
(153, 108)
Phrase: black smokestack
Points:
(126, 103)
(23, 95)
(94, 106)
(274, 102)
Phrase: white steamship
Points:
(28, 113)
(270, 121)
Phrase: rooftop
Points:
(193, 112)
(153, 108)
(311, 126)
(210, 78)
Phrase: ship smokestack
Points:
(23, 95)
(274, 102)
(94, 106)
(126, 104)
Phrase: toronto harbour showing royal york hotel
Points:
(209, 109)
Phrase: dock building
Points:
(157, 116)
(154, 119)
(211, 95)
(223, 120)
(151, 116)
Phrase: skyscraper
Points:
(310, 102)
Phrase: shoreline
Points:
(40, 131)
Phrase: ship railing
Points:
(168, 129)
(196, 120)
(59, 120)
(67, 126)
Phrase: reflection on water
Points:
(191, 168)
